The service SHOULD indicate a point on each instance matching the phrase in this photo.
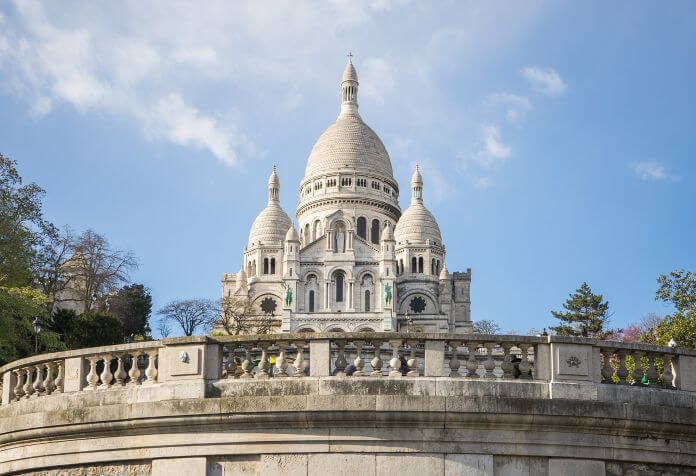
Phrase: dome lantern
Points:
(417, 186)
(349, 88)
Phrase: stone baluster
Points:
(472, 363)
(607, 369)
(506, 365)
(637, 373)
(49, 382)
(263, 361)
(38, 381)
(622, 371)
(341, 363)
(299, 363)
(231, 364)
(246, 363)
(376, 361)
(281, 362)
(106, 375)
(489, 364)
(18, 390)
(359, 363)
(454, 363)
(92, 377)
(120, 374)
(412, 362)
(652, 371)
(27, 387)
(525, 367)
(667, 375)
(134, 371)
(395, 362)
(60, 378)
(151, 370)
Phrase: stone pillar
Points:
(75, 374)
(542, 362)
(434, 358)
(351, 288)
(188, 466)
(320, 358)
(189, 363)
(685, 370)
(8, 383)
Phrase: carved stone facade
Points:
(357, 263)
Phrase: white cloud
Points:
(376, 79)
(492, 151)
(651, 171)
(545, 80)
(516, 107)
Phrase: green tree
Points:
(95, 329)
(22, 226)
(586, 315)
(19, 307)
(132, 305)
(679, 289)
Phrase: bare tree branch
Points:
(191, 314)
(238, 315)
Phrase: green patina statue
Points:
(387, 293)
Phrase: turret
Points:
(349, 88)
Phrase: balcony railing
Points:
(351, 356)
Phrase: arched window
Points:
(437, 270)
(307, 238)
(272, 265)
(432, 266)
(413, 264)
(311, 301)
(315, 235)
(265, 266)
(367, 301)
(402, 266)
(420, 264)
(375, 231)
(253, 268)
(362, 228)
(339, 287)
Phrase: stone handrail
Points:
(554, 359)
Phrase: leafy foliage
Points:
(95, 329)
(586, 315)
(132, 305)
(679, 289)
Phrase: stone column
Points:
(434, 358)
(320, 358)
(75, 374)
(8, 383)
(351, 288)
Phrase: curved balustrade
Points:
(353, 355)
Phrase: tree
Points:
(486, 327)
(586, 315)
(679, 289)
(163, 328)
(22, 226)
(132, 305)
(191, 314)
(50, 264)
(96, 270)
(95, 329)
(237, 315)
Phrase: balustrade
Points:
(644, 366)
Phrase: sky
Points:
(556, 139)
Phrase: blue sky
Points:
(556, 139)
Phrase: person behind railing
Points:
(404, 364)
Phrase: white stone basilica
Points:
(358, 262)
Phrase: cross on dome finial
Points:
(350, 57)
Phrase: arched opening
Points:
(306, 329)
(367, 301)
(272, 265)
(374, 232)
(311, 301)
(339, 286)
(253, 268)
(432, 266)
(362, 228)
(420, 264)
(307, 238)
(437, 270)
(413, 264)
(340, 237)
(402, 266)
(316, 233)
(265, 266)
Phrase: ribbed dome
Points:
(292, 235)
(416, 225)
(349, 143)
(271, 225)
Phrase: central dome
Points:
(349, 143)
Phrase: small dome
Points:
(241, 280)
(417, 178)
(292, 235)
(417, 225)
(349, 73)
(274, 179)
(270, 226)
(444, 274)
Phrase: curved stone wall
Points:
(198, 416)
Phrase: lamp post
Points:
(37, 329)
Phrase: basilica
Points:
(356, 262)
